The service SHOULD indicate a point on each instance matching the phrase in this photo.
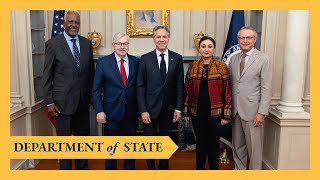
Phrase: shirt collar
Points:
(118, 58)
(68, 38)
(249, 53)
(166, 52)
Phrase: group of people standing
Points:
(123, 88)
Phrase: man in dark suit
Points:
(67, 79)
(114, 94)
(160, 89)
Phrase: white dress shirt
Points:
(166, 58)
(125, 63)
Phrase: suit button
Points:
(238, 92)
(239, 82)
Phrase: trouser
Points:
(247, 140)
(207, 133)
(165, 122)
(78, 125)
(126, 127)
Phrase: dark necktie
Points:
(163, 68)
(242, 62)
(76, 53)
(123, 73)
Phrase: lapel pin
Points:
(171, 59)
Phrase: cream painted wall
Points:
(185, 23)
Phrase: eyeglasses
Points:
(245, 38)
(121, 44)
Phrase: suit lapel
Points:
(170, 63)
(82, 49)
(114, 67)
(155, 65)
(237, 65)
(251, 60)
(69, 54)
(131, 68)
(67, 51)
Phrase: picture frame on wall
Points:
(139, 23)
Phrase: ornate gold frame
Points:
(134, 31)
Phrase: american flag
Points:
(57, 25)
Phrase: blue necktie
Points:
(76, 53)
(163, 68)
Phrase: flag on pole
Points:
(57, 25)
(231, 48)
(57, 28)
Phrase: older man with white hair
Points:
(114, 94)
(251, 79)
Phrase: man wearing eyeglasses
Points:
(114, 94)
(251, 78)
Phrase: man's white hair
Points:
(118, 36)
(72, 12)
(249, 28)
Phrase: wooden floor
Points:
(179, 161)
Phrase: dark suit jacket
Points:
(64, 85)
(108, 81)
(152, 92)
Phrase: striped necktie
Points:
(76, 53)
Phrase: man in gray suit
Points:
(251, 78)
(67, 80)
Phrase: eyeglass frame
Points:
(125, 44)
(246, 38)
